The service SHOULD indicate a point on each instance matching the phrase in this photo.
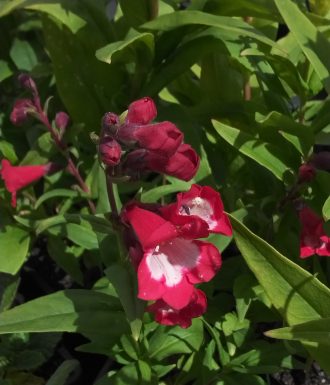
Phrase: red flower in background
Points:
(166, 315)
(18, 177)
(313, 239)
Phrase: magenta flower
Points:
(166, 315)
(313, 239)
(306, 173)
(200, 202)
(21, 110)
(171, 264)
(183, 164)
(18, 177)
(142, 111)
(110, 152)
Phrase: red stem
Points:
(63, 148)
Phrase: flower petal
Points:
(141, 111)
(166, 315)
(150, 228)
(207, 265)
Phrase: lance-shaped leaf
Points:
(313, 43)
(314, 331)
(266, 154)
(298, 295)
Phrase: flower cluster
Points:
(169, 257)
(313, 239)
(137, 145)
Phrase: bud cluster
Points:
(137, 145)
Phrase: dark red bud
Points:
(22, 108)
(142, 111)
(110, 152)
(62, 120)
(27, 82)
(306, 173)
(110, 123)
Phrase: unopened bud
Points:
(306, 173)
(110, 152)
(22, 108)
(110, 123)
(27, 82)
(62, 120)
(142, 111)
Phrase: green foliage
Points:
(252, 99)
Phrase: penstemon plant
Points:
(183, 236)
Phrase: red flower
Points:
(20, 111)
(171, 264)
(17, 177)
(183, 164)
(166, 315)
(142, 111)
(110, 152)
(164, 137)
(313, 239)
(204, 203)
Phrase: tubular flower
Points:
(166, 315)
(142, 111)
(183, 164)
(313, 239)
(171, 264)
(204, 203)
(18, 177)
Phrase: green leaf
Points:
(61, 10)
(59, 192)
(264, 153)
(313, 43)
(174, 340)
(296, 294)
(123, 281)
(8, 151)
(5, 71)
(135, 13)
(300, 136)
(62, 373)
(8, 289)
(14, 243)
(314, 331)
(83, 311)
(228, 24)
(126, 51)
(23, 55)
(326, 210)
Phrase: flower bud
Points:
(110, 152)
(27, 82)
(62, 120)
(142, 111)
(21, 110)
(110, 123)
(306, 173)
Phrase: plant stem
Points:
(111, 196)
(153, 9)
(63, 148)
(247, 86)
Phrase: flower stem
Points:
(63, 148)
(111, 195)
